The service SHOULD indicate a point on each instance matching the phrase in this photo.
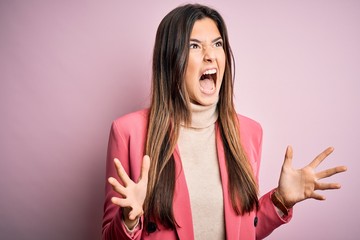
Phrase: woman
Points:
(187, 167)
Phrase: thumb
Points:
(288, 157)
(135, 213)
(145, 168)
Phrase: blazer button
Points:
(151, 227)
(255, 221)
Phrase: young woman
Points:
(187, 167)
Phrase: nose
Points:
(209, 54)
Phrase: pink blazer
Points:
(127, 141)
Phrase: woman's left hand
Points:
(296, 185)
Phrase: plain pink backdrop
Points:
(68, 68)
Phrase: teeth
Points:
(211, 71)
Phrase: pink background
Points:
(68, 68)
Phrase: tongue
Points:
(207, 84)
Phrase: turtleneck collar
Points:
(203, 116)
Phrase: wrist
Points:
(280, 203)
(130, 224)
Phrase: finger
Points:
(121, 202)
(317, 196)
(327, 186)
(319, 158)
(288, 157)
(117, 186)
(331, 171)
(145, 168)
(121, 172)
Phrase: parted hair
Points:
(170, 106)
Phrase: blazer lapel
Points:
(181, 202)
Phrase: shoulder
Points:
(131, 123)
(251, 136)
(249, 126)
(132, 118)
(251, 139)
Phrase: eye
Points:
(194, 46)
(219, 44)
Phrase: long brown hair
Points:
(170, 106)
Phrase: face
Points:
(206, 63)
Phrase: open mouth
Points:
(208, 81)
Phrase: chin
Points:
(208, 101)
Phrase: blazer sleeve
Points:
(113, 226)
(268, 217)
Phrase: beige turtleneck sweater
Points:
(197, 146)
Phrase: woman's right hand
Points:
(133, 194)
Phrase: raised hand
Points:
(133, 194)
(296, 185)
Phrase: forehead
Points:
(205, 28)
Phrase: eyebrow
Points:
(198, 41)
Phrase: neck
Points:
(203, 116)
